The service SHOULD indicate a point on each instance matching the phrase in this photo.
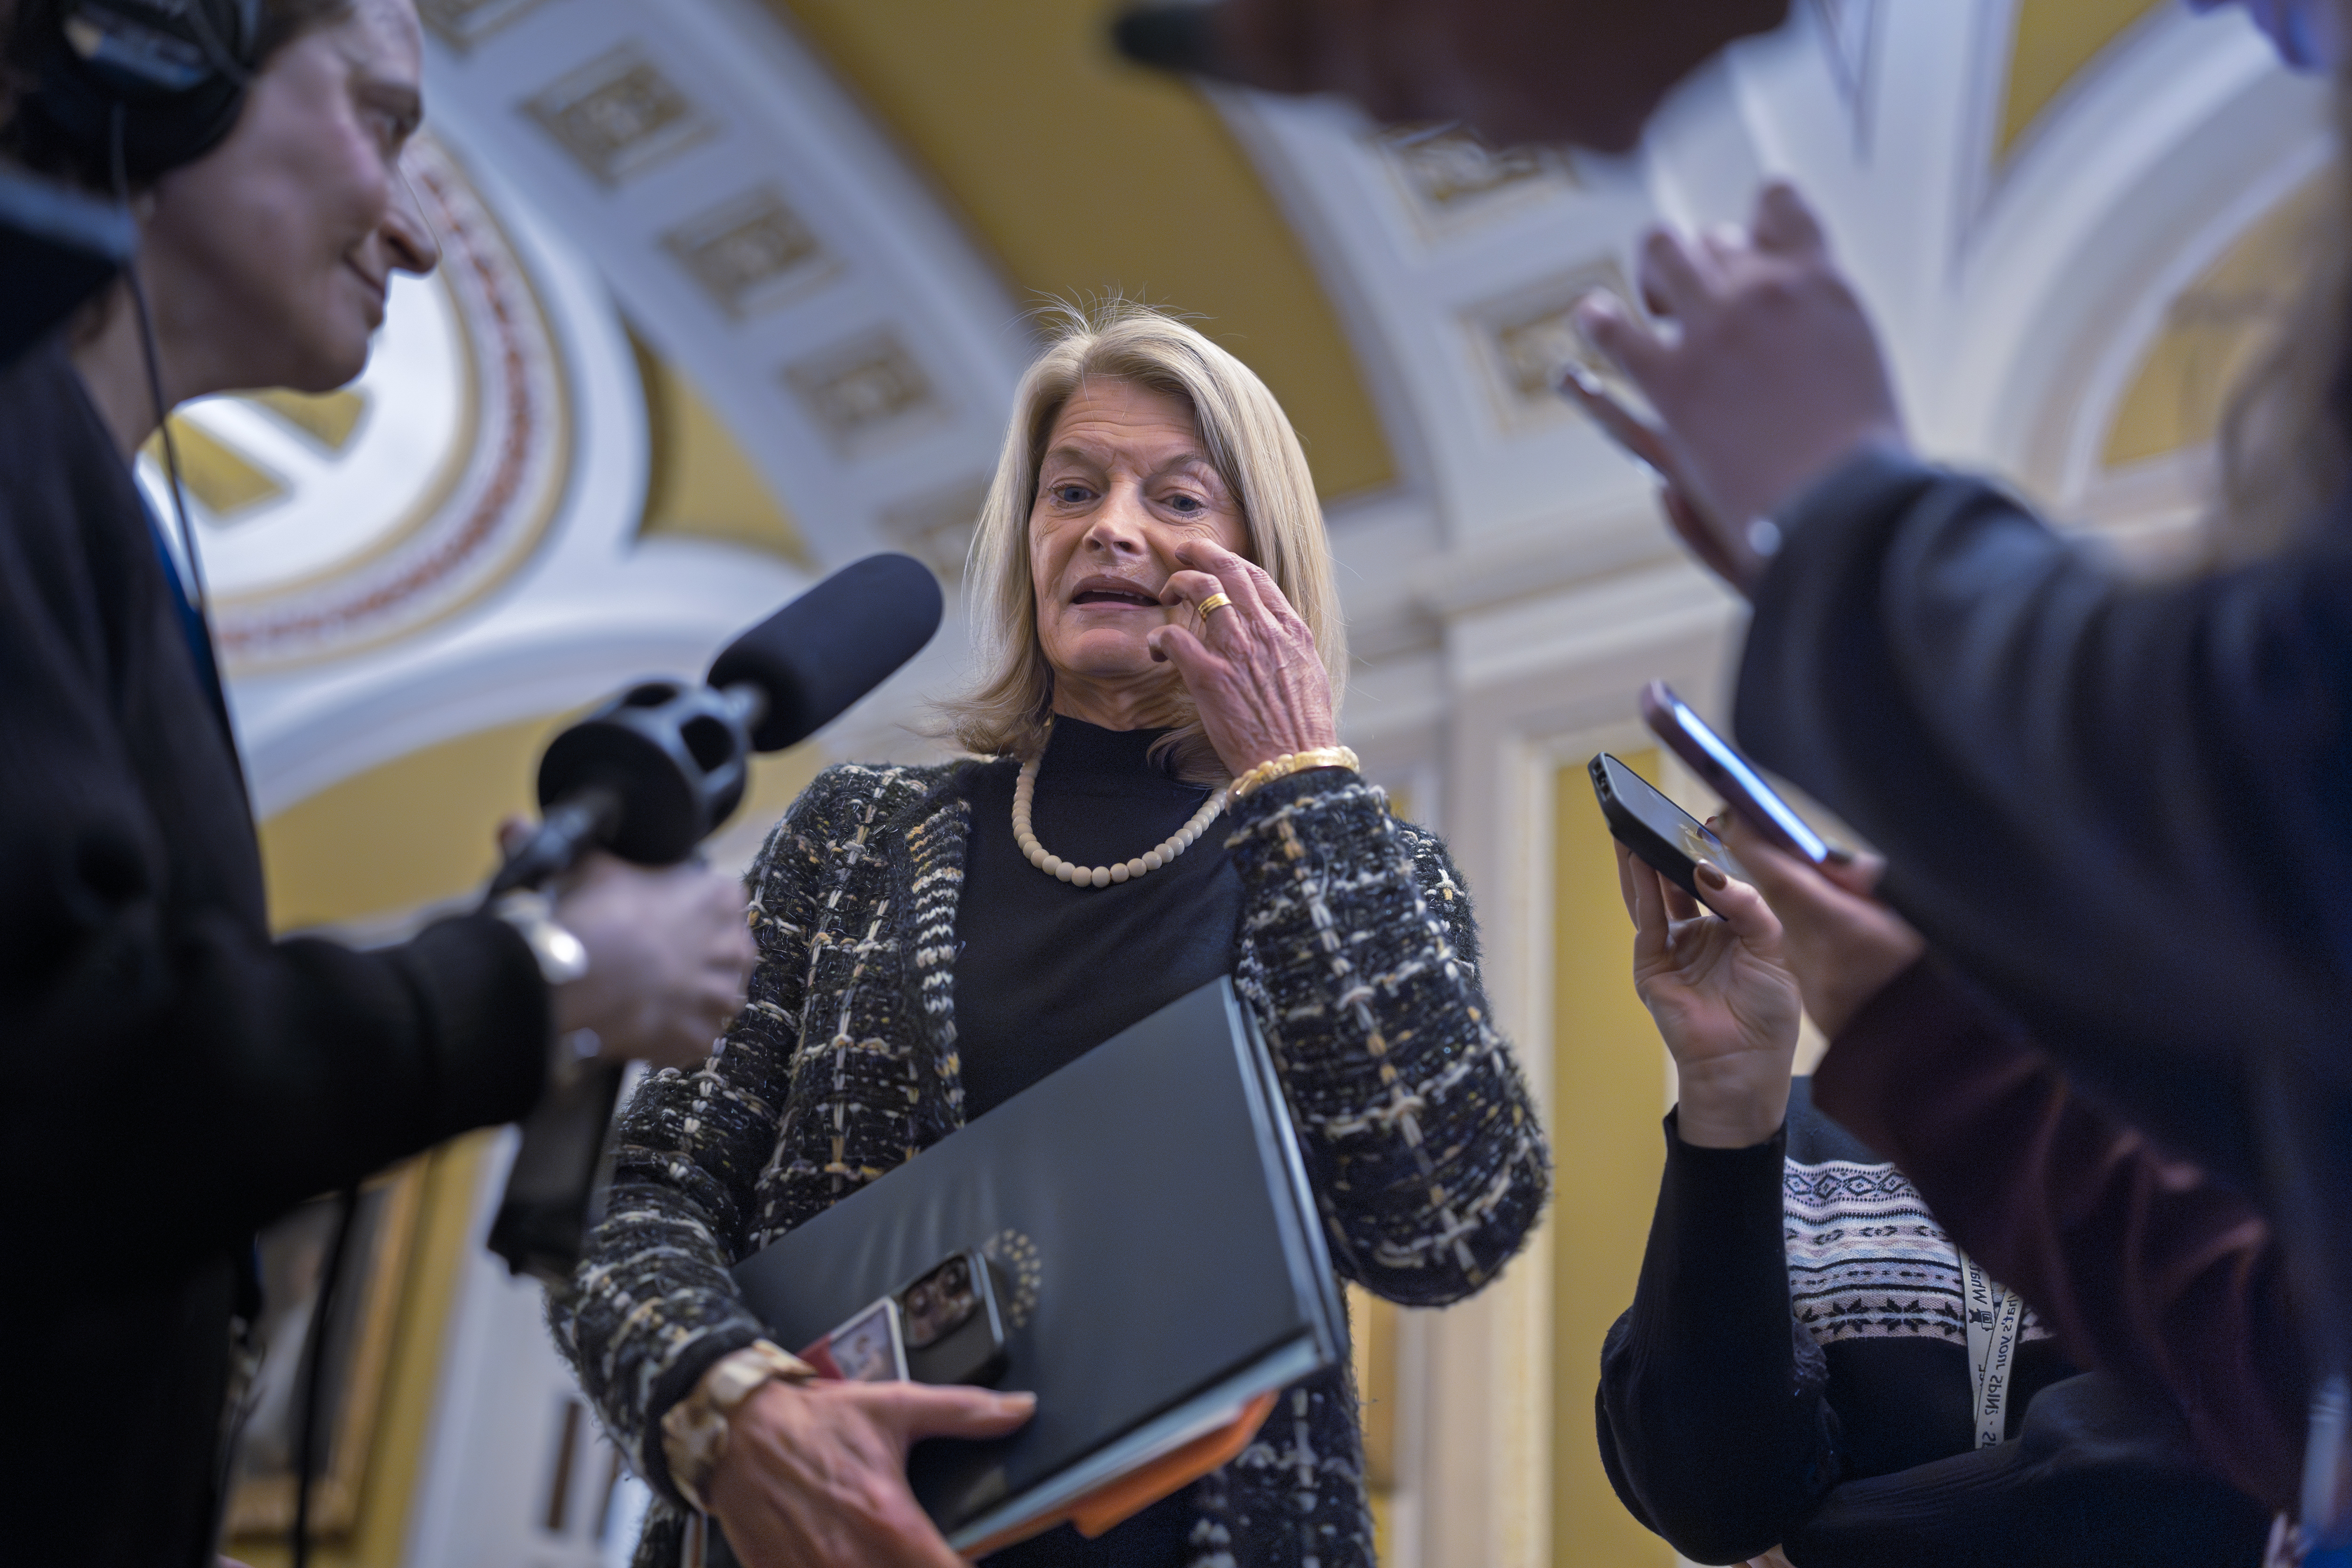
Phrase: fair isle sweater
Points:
(1357, 952)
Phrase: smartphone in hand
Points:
(1730, 774)
(1669, 840)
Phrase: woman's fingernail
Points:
(1710, 875)
(1839, 855)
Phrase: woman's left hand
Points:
(1251, 668)
(1721, 995)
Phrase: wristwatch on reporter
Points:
(562, 958)
(694, 1431)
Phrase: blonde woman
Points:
(1157, 798)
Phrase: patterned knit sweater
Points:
(1356, 950)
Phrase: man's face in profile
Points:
(280, 243)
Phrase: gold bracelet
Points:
(1290, 763)
(694, 1430)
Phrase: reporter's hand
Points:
(1721, 997)
(670, 953)
(1774, 376)
(1843, 945)
(815, 1473)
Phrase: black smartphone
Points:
(946, 1327)
(1666, 837)
(954, 1326)
(1728, 774)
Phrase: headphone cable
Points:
(195, 566)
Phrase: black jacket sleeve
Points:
(2120, 806)
(175, 1075)
(1715, 1429)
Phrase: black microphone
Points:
(59, 246)
(656, 770)
(650, 774)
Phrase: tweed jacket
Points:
(1355, 949)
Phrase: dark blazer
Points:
(2126, 809)
(175, 1077)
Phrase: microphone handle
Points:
(573, 825)
(555, 1191)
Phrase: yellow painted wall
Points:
(1085, 175)
(2054, 40)
(698, 479)
(1608, 1152)
(2215, 331)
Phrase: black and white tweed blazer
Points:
(1358, 953)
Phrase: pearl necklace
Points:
(1151, 859)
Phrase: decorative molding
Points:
(1451, 178)
(750, 254)
(863, 393)
(1530, 337)
(618, 115)
(461, 24)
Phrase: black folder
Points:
(1157, 1247)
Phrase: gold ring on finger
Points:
(1212, 603)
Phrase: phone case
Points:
(1666, 837)
(1730, 774)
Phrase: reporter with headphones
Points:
(174, 1077)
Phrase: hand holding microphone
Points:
(626, 794)
(668, 956)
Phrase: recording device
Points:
(1730, 775)
(1668, 838)
(648, 775)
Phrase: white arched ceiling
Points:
(762, 236)
(709, 177)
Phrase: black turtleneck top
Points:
(1045, 971)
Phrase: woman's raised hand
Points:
(1251, 667)
(1719, 994)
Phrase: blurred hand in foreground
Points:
(1842, 945)
(1585, 72)
(1770, 378)
(816, 1474)
(1725, 1002)
(669, 953)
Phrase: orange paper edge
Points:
(1118, 1501)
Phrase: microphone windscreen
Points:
(833, 644)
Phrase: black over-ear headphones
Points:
(175, 70)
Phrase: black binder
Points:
(1158, 1258)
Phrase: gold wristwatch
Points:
(694, 1430)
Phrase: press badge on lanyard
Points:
(1994, 1317)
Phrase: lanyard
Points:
(1993, 1315)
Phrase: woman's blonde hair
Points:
(1248, 439)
